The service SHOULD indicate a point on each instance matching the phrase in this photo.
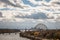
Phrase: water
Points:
(11, 36)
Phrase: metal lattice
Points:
(41, 26)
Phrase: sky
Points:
(22, 11)
(36, 9)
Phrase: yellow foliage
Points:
(36, 33)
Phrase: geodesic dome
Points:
(41, 26)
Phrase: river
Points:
(12, 36)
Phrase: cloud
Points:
(28, 3)
(25, 18)
(44, 6)
(28, 24)
(1, 14)
(7, 2)
(40, 2)
(36, 2)
(38, 15)
(47, 0)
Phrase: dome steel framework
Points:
(41, 26)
